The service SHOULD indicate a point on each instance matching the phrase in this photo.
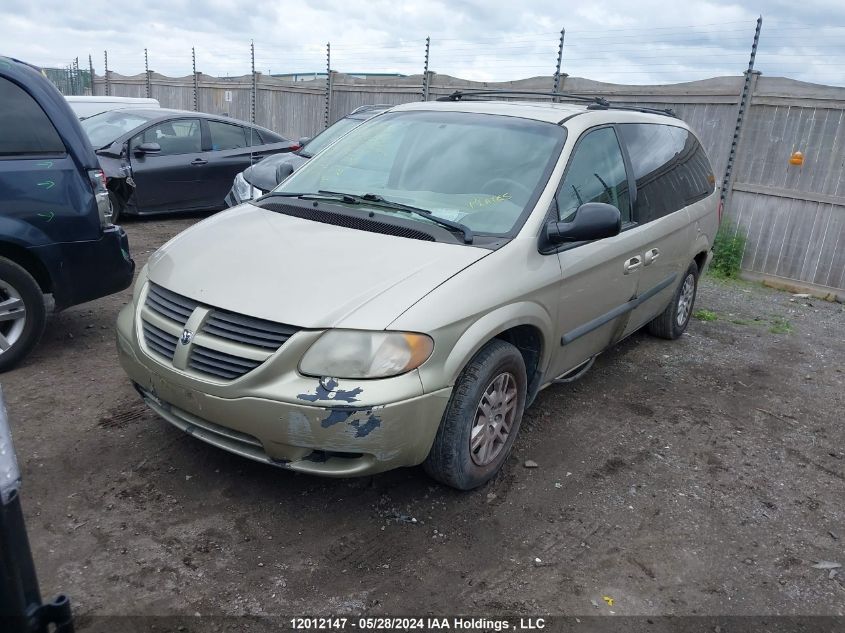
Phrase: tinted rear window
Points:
(670, 167)
(24, 127)
(226, 136)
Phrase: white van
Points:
(89, 106)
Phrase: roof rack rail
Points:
(664, 111)
(459, 95)
(596, 103)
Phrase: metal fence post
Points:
(328, 82)
(106, 75)
(556, 87)
(147, 74)
(254, 97)
(744, 103)
(425, 86)
(196, 83)
(91, 71)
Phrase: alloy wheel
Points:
(12, 316)
(685, 300)
(494, 417)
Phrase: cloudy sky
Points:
(647, 41)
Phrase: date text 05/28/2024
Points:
(416, 624)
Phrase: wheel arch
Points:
(30, 262)
(525, 325)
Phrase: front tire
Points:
(22, 313)
(482, 419)
(116, 207)
(672, 323)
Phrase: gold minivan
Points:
(403, 297)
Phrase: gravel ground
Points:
(702, 476)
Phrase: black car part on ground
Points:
(21, 608)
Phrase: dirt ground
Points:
(702, 476)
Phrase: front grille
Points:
(227, 346)
(169, 304)
(161, 342)
(247, 329)
(221, 364)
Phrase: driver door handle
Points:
(632, 264)
(651, 255)
(199, 161)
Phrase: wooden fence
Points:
(793, 215)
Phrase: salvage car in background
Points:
(56, 230)
(88, 106)
(402, 297)
(264, 176)
(163, 161)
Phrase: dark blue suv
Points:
(56, 234)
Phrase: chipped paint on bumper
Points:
(284, 424)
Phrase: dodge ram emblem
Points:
(186, 337)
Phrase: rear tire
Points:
(22, 313)
(672, 323)
(482, 419)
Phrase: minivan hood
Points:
(304, 273)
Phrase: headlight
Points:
(10, 475)
(361, 354)
(244, 190)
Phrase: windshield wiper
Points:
(378, 201)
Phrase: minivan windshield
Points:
(102, 129)
(482, 170)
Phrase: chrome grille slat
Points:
(219, 363)
(242, 335)
(235, 332)
(213, 371)
(170, 304)
(160, 341)
(255, 323)
(248, 330)
(168, 309)
(225, 358)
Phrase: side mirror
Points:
(147, 148)
(283, 170)
(304, 140)
(592, 221)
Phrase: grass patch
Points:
(740, 322)
(705, 315)
(728, 247)
(781, 326)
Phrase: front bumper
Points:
(277, 416)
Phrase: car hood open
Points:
(304, 273)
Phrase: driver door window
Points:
(596, 173)
(181, 136)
